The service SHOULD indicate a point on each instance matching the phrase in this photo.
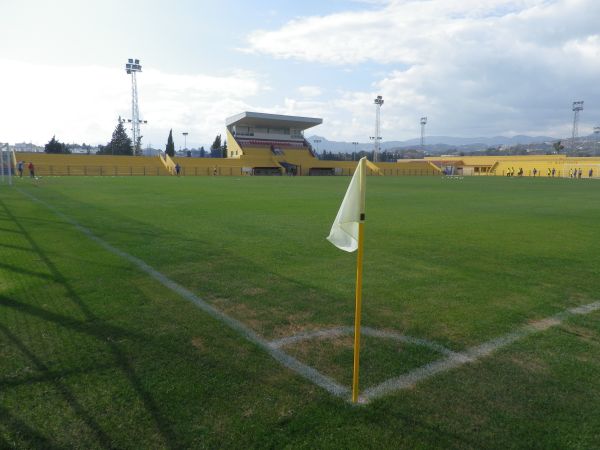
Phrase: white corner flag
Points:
(344, 231)
(347, 233)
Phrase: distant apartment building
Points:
(26, 147)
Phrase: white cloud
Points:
(310, 91)
(82, 103)
(474, 67)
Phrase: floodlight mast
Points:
(317, 142)
(185, 135)
(423, 123)
(132, 67)
(355, 143)
(377, 138)
(577, 108)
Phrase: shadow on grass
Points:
(50, 376)
(150, 235)
(23, 271)
(36, 440)
(16, 247)
(95, 327)
(92, 326)
(60, 387)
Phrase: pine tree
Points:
(225, 149)
(120, 144)
(170, 149)
(54, 146)
(558, 146)
(202, 152)
(215, 148)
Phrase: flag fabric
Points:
(344, 231)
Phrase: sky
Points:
(473, 67)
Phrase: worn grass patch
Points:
(380, 358)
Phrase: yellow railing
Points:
(373, 168)
(168, 163)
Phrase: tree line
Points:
(121, 144)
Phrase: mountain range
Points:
(431, 143)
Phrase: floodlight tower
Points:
(132, 67)
(577, 108)
(377, 138)
(317, 142)
(423, 123)
(185, 135)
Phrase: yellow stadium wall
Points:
(107, 165)
(92, 165)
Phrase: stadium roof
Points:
(263, 119)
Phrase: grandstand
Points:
(274, 144)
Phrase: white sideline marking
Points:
(283, 358)
(411, 378)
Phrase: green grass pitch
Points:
(97, 354)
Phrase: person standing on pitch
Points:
(591, 173)
(31, 170)
(20, 168)
(177, 169)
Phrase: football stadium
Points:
(350, 224)
(145, 308)
(270, 144)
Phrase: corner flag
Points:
(344, 231)
(347, 234)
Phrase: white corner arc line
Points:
(280, 356)
(366, 331)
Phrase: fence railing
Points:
(101, 171)
(107, 171)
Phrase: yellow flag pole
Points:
(357, 312)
